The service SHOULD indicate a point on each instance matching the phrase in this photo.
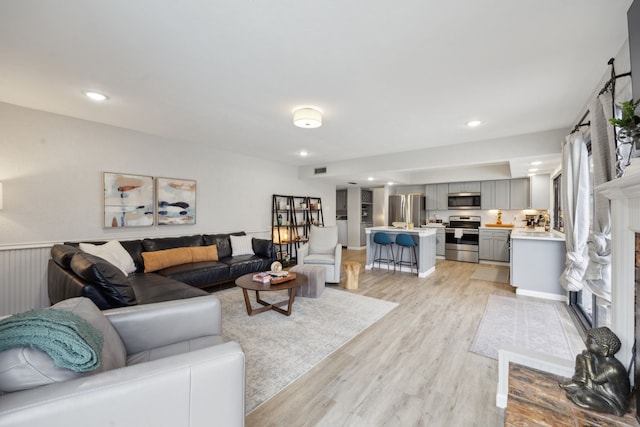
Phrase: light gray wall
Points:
(51, 167)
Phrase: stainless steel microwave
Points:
(464, 200)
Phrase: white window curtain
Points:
(598, 274)
(575, 203)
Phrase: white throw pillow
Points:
(241, 245)
(113, 252)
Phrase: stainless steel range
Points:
(462, 238)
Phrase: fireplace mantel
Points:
(627, 187)
(624, 194)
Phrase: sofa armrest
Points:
(302, 252)
(338, 257)
(192, 389)
(147, 326)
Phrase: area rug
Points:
(524, 323)
(279, 349)
(491, 274)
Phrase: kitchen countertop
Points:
(522, 233)
(424, 231)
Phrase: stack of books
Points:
(264, 277)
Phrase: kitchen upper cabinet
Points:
(341, 201)
(519, 193)
(464, 187)
(495, 194)
(540, 191)
(436, 197)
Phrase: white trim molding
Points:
(624, 194)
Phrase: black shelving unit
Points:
(291, 220)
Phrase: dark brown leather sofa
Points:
(73, 273)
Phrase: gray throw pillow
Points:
(26, 367)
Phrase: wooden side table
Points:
(353, 271)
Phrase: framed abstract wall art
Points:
(176, 201)
(128, 200)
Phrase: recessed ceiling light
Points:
(303, 153)
(390, 183)
(473, 123)
(370, 178)
(96, 96)
(532, 170)
(536, 163)
(532, 174)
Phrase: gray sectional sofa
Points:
(73, 272)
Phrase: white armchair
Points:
(323, 250)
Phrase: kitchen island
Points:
(537, 261)
(425, 239)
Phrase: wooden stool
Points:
(353, 271)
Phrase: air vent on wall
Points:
(317, 171)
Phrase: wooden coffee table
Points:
(247, 284)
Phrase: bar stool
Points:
(405, 241)
(380, 240)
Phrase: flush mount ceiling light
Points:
(96, 96)
(370, 178)
(473, 123)
(307, 118)
(303, 153)
(536, 163)
(532, 170)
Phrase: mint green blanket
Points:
(71, 341)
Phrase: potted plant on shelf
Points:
(628, 135)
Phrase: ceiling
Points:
(390, 77)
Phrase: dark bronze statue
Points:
(601, 382)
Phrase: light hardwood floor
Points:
(411, 368)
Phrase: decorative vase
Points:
(628, 141)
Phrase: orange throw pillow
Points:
(157, 260)
(204, 253)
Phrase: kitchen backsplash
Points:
(516, 217)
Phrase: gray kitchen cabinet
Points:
(540, 191)
(495, 194)
(436, 197)
(341, 201)
(494, 245)
(440, 240)
(464, 187)
(519, 193)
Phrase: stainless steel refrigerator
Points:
(407, 208)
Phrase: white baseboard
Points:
(543, 295)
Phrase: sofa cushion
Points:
(111, 281)
(62, 255)
(153, 287)
(198, 273)
(134, 247)
(244, 264)
(113, 252)
(241, 245)
(163, 243)
(26, 367)
(222, 241)
(174, 349)
(158, 260)
(323, 240)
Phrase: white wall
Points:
(51, 167)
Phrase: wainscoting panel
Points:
(23, 279)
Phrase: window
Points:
(558, 223)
